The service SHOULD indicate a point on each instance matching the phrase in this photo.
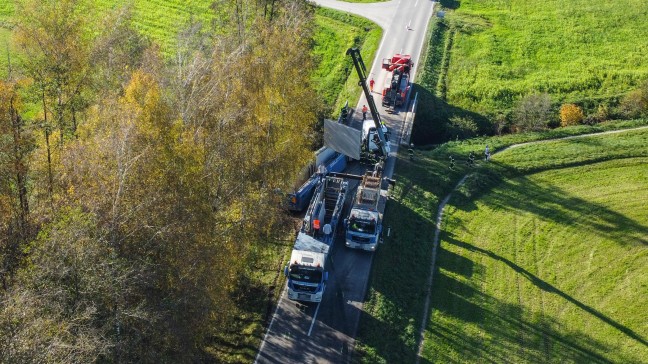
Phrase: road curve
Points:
(381, 13)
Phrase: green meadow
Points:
(542, 255)
(335, 77)
(159, 19)
(335, 32)
(574, 50)
(487, 55)
(550, 266)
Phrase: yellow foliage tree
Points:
(570, 114)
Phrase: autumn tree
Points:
(252, 112)
(15, 146)
(142, 174)
(117, 50)
(54, 36)
(570, 114)
(166, 190)
(74, 301)
(533, 112)
(252, 108)
(635, 103)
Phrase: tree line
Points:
(134, 188)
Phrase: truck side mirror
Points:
(286, 271)
(325, 276)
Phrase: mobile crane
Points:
(397, 82)
(379, 128)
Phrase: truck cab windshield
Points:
(360, 226)
(306, 274)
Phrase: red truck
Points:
(397, 83)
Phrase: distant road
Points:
(381, 13)
(325, 333)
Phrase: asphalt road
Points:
(325, 332)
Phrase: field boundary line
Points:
(439, 219)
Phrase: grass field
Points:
(159, 19)
(547, 267)
(392, 317)
(335, 77)
(572, 49)
(487, 55)
(334, 33)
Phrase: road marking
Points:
(314, 319)
(416, 3)
(265, 337)
(425, 26)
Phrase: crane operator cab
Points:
(370, 136)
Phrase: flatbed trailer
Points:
(364, 225)
(307, 270)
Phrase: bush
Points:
(602, 114)
(501, 123)
(570, 114)
(635, 103)
(532, 113)
(462, 127)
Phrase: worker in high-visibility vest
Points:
(364, 112)
(371, 84)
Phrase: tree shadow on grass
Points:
(546, 286)
(469, 324)
(547, 201)
(507, 336)
(389, 323)
(433, 114)
(508, 332)
(450, 4)
(460, 264)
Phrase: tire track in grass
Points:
(482, 326)
(435, 245)
(546, 344)
(437, 231)
(520, 333)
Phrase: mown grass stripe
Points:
(525, 352)
(383, 335)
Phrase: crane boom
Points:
(362, 74)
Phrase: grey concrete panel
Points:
(342, 139)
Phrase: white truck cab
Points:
(306, 270)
